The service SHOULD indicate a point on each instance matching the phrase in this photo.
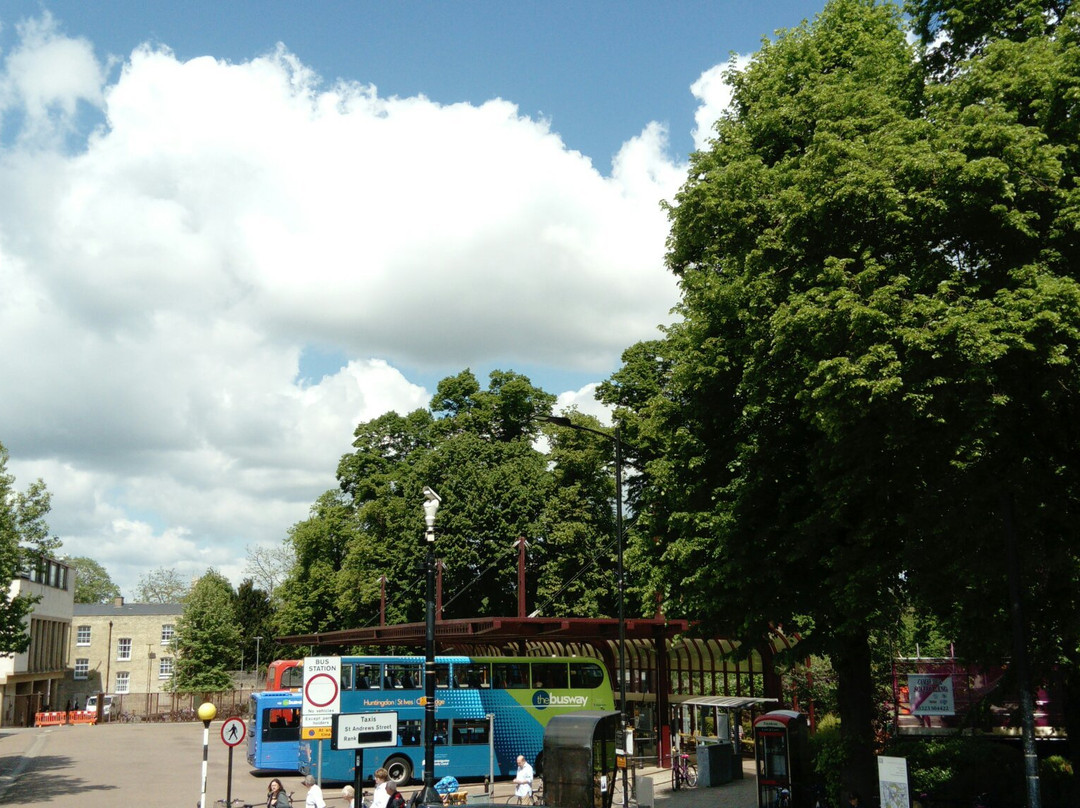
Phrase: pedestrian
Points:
(523, 779)
(393, 796)
(314, 793)
(276, 797)
(379, 795)
(348, 794)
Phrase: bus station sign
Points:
(322, 691)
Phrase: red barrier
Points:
(50, 719)
(83, 716)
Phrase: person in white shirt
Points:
(524, 778)
(379, 797)
(314, 793)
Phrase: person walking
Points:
(379, 795)
(276, 796)
(314, 793)
(523, 780)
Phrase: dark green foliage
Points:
(92, 581)
(475, 448)
(961, 768)
(21, 520)
(253, 616)
(879, 349)
(207, 641)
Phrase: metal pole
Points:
(428, 795)
(257, 641)
(622, 612)
(1023, 676)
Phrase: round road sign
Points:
(321, 690)
(233, 731)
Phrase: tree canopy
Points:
(92, 581)
(475, 448)
(21, 520)
(207, 640)
(879, 339)
(162, 585)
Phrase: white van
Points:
(91, 705)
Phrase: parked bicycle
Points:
(683, 772)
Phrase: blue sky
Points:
(231, 231)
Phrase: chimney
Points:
(118, 601)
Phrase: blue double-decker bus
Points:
(521, 694)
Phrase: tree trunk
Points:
(855, 703)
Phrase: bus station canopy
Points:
(469, 633)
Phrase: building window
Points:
(82, 668)
(82, 635)
(165, 668)
(123, 649)
(167, 632)
(123, 679)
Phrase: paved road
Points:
(160, 765)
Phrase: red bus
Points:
(285, 674)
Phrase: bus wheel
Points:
(399, 769)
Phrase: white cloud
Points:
(714, 94)
(163, 279)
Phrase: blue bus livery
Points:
(273, 742)
(520, 693)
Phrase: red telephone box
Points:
(782, 758)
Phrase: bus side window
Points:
(586, 675)
(346, 677)
(408, 733)
(551, 675)
(473, 731)
(511, 675)
(442, 675)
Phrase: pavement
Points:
(160, 765)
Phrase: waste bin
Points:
(715, 762)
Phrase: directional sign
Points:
(364, 730)
(233, 732)
(322, 690)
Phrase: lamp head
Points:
(431, 505)
(207, 712)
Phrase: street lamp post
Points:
(615, 436)
(257, 641)
(429, 796)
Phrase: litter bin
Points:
(714, 763)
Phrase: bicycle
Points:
(683, 772)
(535, 798)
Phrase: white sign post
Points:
(362, 731)
(322, 696)
(893, 788)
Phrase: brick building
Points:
(121, 648)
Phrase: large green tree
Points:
(475, 448)
(14, 519)
(92, 581)
(207, 641)
(878, 347)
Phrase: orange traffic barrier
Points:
(83, 716)
(50, 719)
